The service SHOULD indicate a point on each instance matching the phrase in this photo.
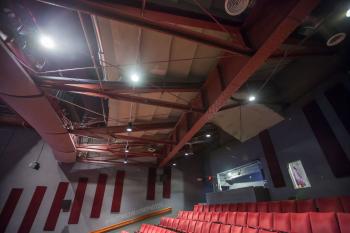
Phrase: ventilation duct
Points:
(236, 7)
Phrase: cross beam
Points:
(266, 35)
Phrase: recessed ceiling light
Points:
(174, 164)
(135, 77)
(208, 135)
(187, 154)
(47, 42)
(348, 13)
(126, 150)
(125, 161)
(251, 98)
(129, 127)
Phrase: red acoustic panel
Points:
(118, 191)
(167, 182)
(271, 158)
(335, 155)
(100, 191)
(151, 184)
(9, 208)
(78, 201)
(32, 210)
(56, 207)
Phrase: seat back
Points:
(265, 221)
(225, 207)
(241, 218)
(161, 223)
(281, 222)
(201, 216)
(225, 228)
(330, 204)
(206, 208)
(190, 215)
(215, 216)
(185, 214)
(300, 222)
(345, 202)
(231, 218)
(192, 226)
(324, 223)
(175, 224)
(274, 207)
(195, 215)
(253, 219)
(215, 228)
(223, 217)
(249, 230)
(218, 208)
(170, 222)
(211, 208)
(305, 206)
(207, 217)
(198, 227)
(236, 229)
(206, 227)
(288, 206)
(251, 207)
(261, 207)
(180, 214)
(344, 222)
(200, 207)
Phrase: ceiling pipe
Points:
(19, 91)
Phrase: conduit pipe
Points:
(20, 92)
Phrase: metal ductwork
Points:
(19, 91)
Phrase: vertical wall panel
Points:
(32, 210)
(99, 194)
(9, 208)
(167, 182)
(151, 183)
(55, 209)
(118, 191)
(271, 158)
(335, 155)
(78, 201)
(339, 97)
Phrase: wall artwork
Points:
(298, 175)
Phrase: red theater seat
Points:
(218, 208)
(304, 206)
(206, 208)
(236, 229)
(345, 202)
(211, 208)
(143, 228)
(207, 217)
(201, 216)
(162, 222)
(329, 205)
(185, 225)
(180, 214)
(288, 206)
(249, 230)
(264, 231)
(241, 207)
(190, 215)
(170, 222)
(251, 207)
(195, 216)
(198, 228)
(200, 208)
(215, 228)
(241, 218)
(185, 214)
(191, 226)
(175, 224)
(206, 227)
(274, 207)
(300, 223)
(225, 207)
(231, 218)
(261, 207)
(225, 228)
(253, 219)
(215, 216)
(344, 222)
(223, 217)
(233, 207)
(281, 222)
(265, 221)
(324, 223)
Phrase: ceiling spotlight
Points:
(251, 98)
(174, 164)
(126, 150)
(129, 127)
(125, 161)
(187, 154)
(208, 135)
(135, 77)
(348, 13)
(47, 42)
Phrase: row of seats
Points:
(333, 204)
(254, 222)
(147, 228)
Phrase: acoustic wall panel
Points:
(32, 210)
(151, 183)
(99, 194)
(78, 201)
(167, 182)
(118, 191)
(9, 208)
(335, 155)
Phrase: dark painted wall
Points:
(293, 139)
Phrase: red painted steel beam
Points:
(112, 12)
(307, 52)
(122, 128)
(143, 139)
(68, 84)
(266, 34)
(119, 153)
(96, 161)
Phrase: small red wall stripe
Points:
(78, 201)
(56, 206)
(9, 208)
(32, 210)
(98, 199)
(151, 184)
(167, 182)
(118, 191)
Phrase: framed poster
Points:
(298, 175)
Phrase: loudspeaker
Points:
(65, 205)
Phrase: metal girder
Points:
(122, 128)
(112, 12)
(96, 161)
(266, 34)
(307, 52)
(7, 119)
(68, 84)
(143, 139)
(119, 153)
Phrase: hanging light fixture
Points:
(129, 127)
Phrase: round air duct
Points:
(236, 7)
